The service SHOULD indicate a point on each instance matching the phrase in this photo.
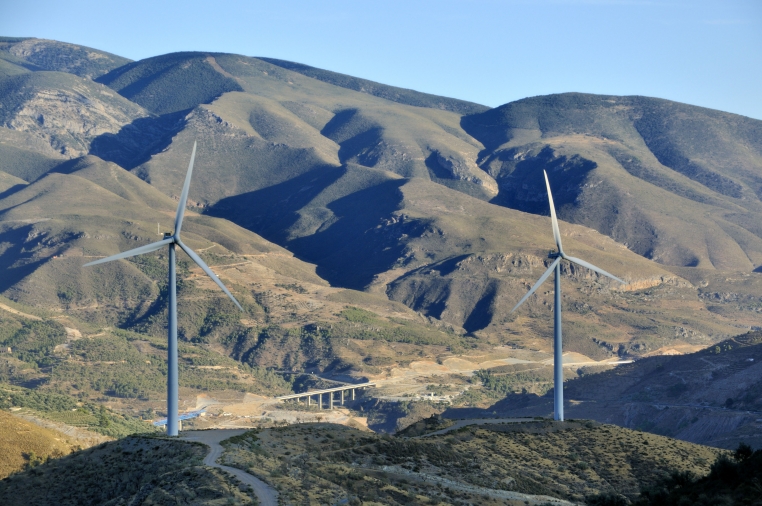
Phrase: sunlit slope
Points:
(21, 442)
(401, 95)
(675, 183)
(468, 262)
(55, 115)
(88, 208)
(275, 114)
(476, 261)
(43, 54)
(386, 190)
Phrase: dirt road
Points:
(266, 495)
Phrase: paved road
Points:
(266, 495)
(477, 421)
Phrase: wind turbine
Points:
(171, 240)
(555, 266)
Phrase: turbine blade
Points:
(556, 231)
(538, 283)
(208, 271)
(131, 253)
(184, 195)
(593, 268)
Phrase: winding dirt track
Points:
(266, 495)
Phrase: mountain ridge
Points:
(279, 146)
(366, 235)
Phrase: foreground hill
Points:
(515, 463)
(24, 444)
(133, 470)
(518, 463)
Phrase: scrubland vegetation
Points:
(133, 470)
(572, 460)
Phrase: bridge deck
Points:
(326, 391)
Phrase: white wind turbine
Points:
(170, 240)
(555, 266)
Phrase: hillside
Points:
(369, 231)
(517, 463)
(675, 183)
(711, 397)
(134, 470)
(88, 208)
(42, 54)
(401, 95)
(24, 444)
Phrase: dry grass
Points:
(571, 460)
(24, 444)
(134, 469)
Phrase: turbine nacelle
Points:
(559, 254)
(173, 238)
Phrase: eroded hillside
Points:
(367, 230)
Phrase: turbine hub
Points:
(554, 254)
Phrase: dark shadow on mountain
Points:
(69, 166)
(436, 171)
(355, 135)
(430, 300)
(272, 211)
(354, 248)
(443, 176)
(171, 83)
(138, 141)
(343, 238)
(446, 267)
(18, 261)
(513, 405)
(522, 185)
(13, 189)
(482, 313)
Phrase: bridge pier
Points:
(332, 399)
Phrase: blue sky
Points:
(706, 53)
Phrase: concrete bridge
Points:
(331, 392)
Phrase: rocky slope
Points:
(317, 194)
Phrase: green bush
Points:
(732, 480)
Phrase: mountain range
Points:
(319, 197)
(418, 194)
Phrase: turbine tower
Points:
(555, 266)
(171, 240)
